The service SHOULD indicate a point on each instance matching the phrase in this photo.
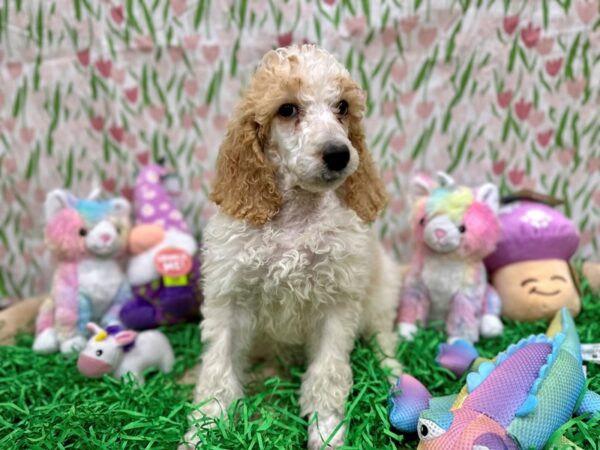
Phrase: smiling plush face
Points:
(534, 290)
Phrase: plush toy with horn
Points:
(454, 227)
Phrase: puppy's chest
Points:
(306, 262)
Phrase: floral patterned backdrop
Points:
(505, 91)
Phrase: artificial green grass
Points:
(46, 404)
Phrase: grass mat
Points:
(46, 404)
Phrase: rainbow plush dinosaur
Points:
(517, 401)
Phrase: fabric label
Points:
(173, 263)
(591, 353)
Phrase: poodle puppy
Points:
(290, 263)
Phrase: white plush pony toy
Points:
(118, 352)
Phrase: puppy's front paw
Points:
(326, 429)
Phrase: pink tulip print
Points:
(494, 91)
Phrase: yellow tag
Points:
(101, 336)
(176, 281)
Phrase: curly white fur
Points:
(309, 281)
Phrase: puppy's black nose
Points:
(336, 156)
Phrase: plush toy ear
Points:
(56, 200)
(422, 185)
(488, 194)
(121, 207)
(125, 337)
(445, 180)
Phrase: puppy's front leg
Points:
(328, 378)
(225, 336)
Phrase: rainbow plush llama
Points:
(454, 227)
(86, 237)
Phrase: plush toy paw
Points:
(324, 430)
(407, 330)
(491, 326)
(46, 342)
(73, 345)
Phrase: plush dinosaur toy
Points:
(515, 402)
(454, 228)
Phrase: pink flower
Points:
(530, 35)
(553, 66)
(523, 108)
(504, 98)
(510, 23)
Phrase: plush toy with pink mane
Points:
(87, 237)
(455, 228)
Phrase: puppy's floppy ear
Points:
(364, 190)
(245, 185)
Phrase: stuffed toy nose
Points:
(92, 367)
(144, 237)
(439, 233)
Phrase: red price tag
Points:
(173, 262)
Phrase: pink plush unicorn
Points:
(455, 227)
(86, 237)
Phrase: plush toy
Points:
(454, 227)
(517, 401)
(530, 266)
(86, 237)
(118, 351)
(164, 271)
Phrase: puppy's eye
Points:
(82, 232)
(288, 110)
(342, 108)
(462, 228)
(118, 229)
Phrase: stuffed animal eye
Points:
(342, 108)
(118, 229)
(429, 430)
(98, 352)
(422, 221)
(82, 232)
(288, 110)
(462, 228)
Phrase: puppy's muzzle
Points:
(336, 156)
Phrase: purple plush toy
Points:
(164, 271)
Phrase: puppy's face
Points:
(309, 138)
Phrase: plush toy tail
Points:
(408, 398)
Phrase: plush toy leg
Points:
(73, 345)
(463, 318)
(46, 342)
(413, 308)
(589, 404)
